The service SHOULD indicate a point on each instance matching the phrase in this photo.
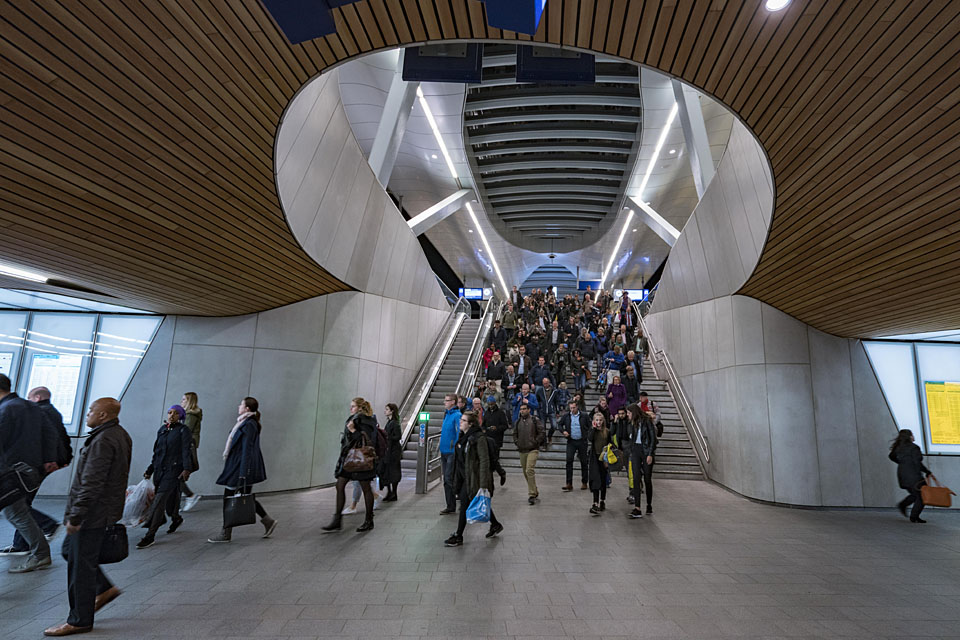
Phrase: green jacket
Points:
(192, 421)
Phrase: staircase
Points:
(446, 383)
(675, 458)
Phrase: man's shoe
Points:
(584, 487)
(66, 630)
(191, 502)
(333, 526)
(223, 536)
(453, 541)
(494, 530)
(594, 510)
(10, 551)
(176, 524)
(53, 533)
(106, 597)
(145, 542)
(446, 512)
(31, 564)
(531, 500)
(269, 524)
(503, 479)
(366, 526)
(567, 487)
(649, 510)
(636, 513)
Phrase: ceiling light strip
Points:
(658, 148)
(616, 249)
(23, 274)
(486, 245)
(436, 133)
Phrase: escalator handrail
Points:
(423, 382)
(472, 366)
(673, 380)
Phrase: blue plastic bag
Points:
(479, 509)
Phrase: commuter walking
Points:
(599, 474)
(95, 503)
(21, 441)
(449, 432)
(243, 464)
(172, 463)
(574, 426)
(643, 448)
(912, 475)
(472, 472)
(192, 420)
(616, 395)
(391, 472)
(57, 454)
(529, 436)
(359, 432)
(495, 423)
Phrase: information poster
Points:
(943, 410)
(59, 372)
(6, 361)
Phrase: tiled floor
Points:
(708, 564)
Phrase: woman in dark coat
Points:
(360, 430)
(472, 471)
(172, 462)
(598, 472)
(243, 463)
(390, 472)
(911, 473)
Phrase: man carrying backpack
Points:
(57, 454)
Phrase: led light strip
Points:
(23, 274)
(436, 133)
(658, 148)
(616, 249)
(486, 245)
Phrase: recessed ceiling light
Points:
(433, 155)
(634, 230)
(672, 151)
(776, 5)
(470, 230)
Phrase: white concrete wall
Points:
(792, 415)
(336, 208)
(304, 362)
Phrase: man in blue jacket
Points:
(522, 398)
(575, 426)
(449, 433)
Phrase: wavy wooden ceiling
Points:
(129, 124)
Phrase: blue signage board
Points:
(471, 293)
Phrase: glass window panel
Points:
(121, 343)
(893, 363)
(57, 356)
(12, 325)
(940, 365)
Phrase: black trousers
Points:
(462, 518)
(85, 580)
(577, 448)
(642, 475)
(916, 500)
(164, 502)
(256, 503)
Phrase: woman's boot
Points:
(333, 526)
(366, 526)
(223, 536)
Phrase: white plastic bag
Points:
(137, 503)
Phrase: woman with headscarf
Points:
(243, 464)
(359, 431)
(172, 462)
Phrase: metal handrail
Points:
(468, 377)
(419, 389)
(673, 380)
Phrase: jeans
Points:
(577, 448)
(19, 516)
(47, 524)
(580, 381)
(645, 479)
(85, 580)
(550, 422)
(446, 465)
(528, 462)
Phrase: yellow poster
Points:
(943, 409)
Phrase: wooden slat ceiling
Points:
(127, 125)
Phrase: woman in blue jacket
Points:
(243, 463)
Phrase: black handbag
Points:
(16, 482)
(240, 508)
(115, 547)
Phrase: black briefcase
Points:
(115, 547)
(240, 508)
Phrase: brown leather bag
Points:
(935, 495)
(362, 457)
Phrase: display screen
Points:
(60, 373)
(471, 293)
(943, 411)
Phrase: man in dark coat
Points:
(498, 336)
(495, 423)
(95, 503)
(496, 370)
(575, 426)
(21, 441)
(172, 462)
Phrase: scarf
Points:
(233, 432)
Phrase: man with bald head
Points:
(95, 503)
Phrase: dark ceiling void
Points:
(551, 160)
